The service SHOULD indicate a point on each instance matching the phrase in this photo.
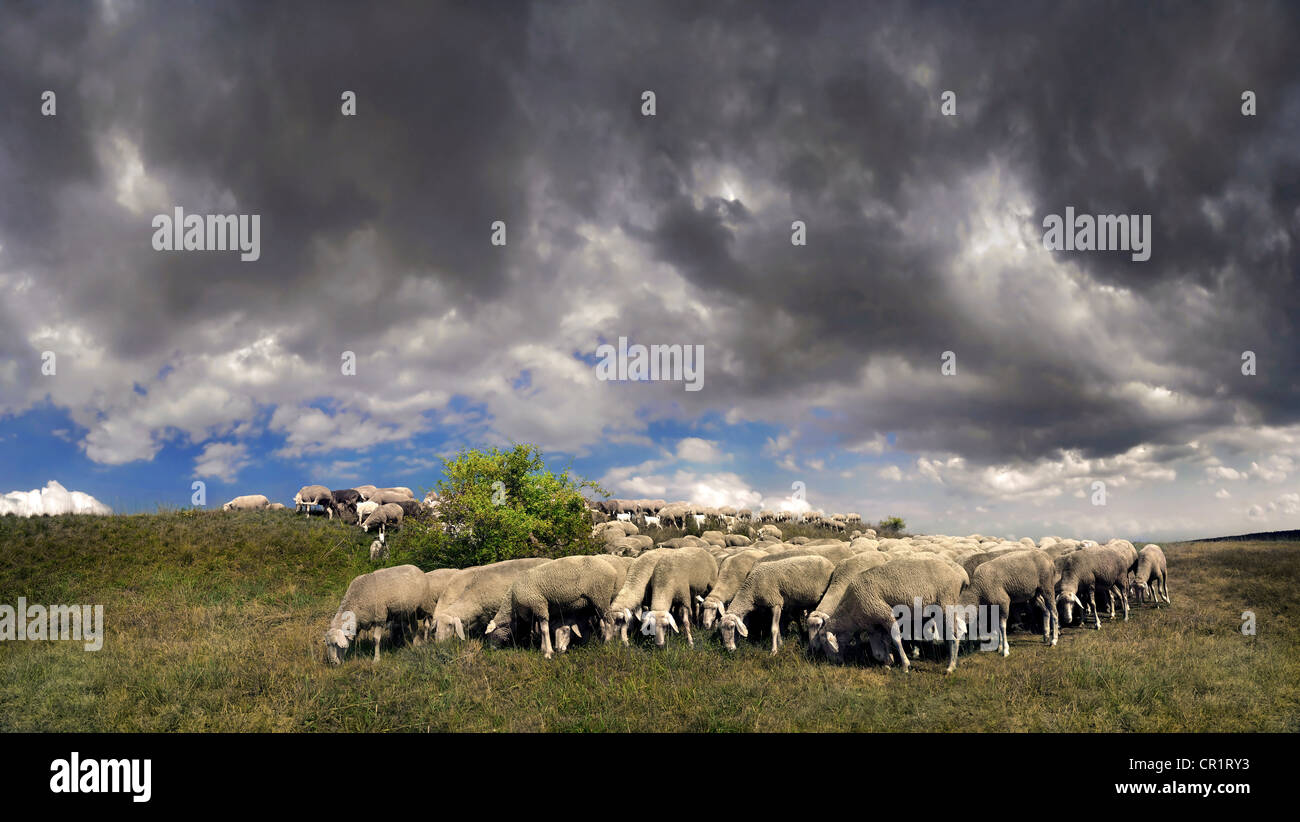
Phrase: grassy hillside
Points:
(214, 624)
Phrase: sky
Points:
(823, 364)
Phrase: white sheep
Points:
(248, 502)
(1152, 568)
(388, 514)
(473, 595)
(310, 495)
(1020, 576)
(570, 588)
(869, 602)
(731, 575)
(679, 578)
(365, 509)
(785, 586)
(370, 603)
(845, 572)
(632, 595)
(378, 550)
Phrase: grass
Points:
(214, 624)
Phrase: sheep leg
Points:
(548, 650)
(896, 637)
(1096, 614)
(684, 611)
(375, 633)
(1164, 588)
(1047, 621)
(1124, 602)
(776, 629)
(1003, 644)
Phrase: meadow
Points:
(214, 623)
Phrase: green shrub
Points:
(499, 505)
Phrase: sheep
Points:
(1151, 567)
(1091, 568)
(678, 579)
(390, 513)
(631, 594)
(345, 500)
(845, 572)
(394, 495)
(564, 589)
(868, 605)
(769, 530)
(365, 491)
(472, 596)
(838, 552)
(371, 601)
(435, 583)
(731, 575)
(276, 506)
(310, 495)
(248, 502)
(365, 509)
(378, 549)
(1020, 576)
(786, 586)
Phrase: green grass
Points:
(214, 624)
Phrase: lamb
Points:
(276, 506)
(472, 596)
(248, 502)
(1020, 576)
(631, 596)
(365, 509)
(845, 572)
(1151, 567)
(566, 589)
(731, 575)
(1092, 568)
(310, 495)
(378, 549)
(786, 585)
(390, 513)
(370, 603)
(869, 602)
(678, 579)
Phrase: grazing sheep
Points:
(435, 583)
(678, 579)
(845, 572)
(1152, 567)
(277, 506)
(1093, 569)
(370, 603)
(731, 575)
(310, 495)
(632, 594)
(569, 590)
(787, 586)
(868, 605)
(345, 501)
(388, 514)
(365, 491)
(248, 502)
(1020, 576)
(473, 595)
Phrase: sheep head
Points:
(658, 623)
(342, 630)
(564, 635)
(711, 610)
(817, 631)
(1067, 602)
(729, 627)
(448, 627)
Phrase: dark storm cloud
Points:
(1115, 107)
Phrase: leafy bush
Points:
(891, 526)
(499, 505)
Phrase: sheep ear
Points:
(740, 628)
(491, 626)
(627, 614)
(576, 632)
(832, 642)
(699, 598)
(673, 623)
(460, 628)
(722, 609)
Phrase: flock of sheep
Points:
(654, 512)
(846, 593)
(365, 505)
